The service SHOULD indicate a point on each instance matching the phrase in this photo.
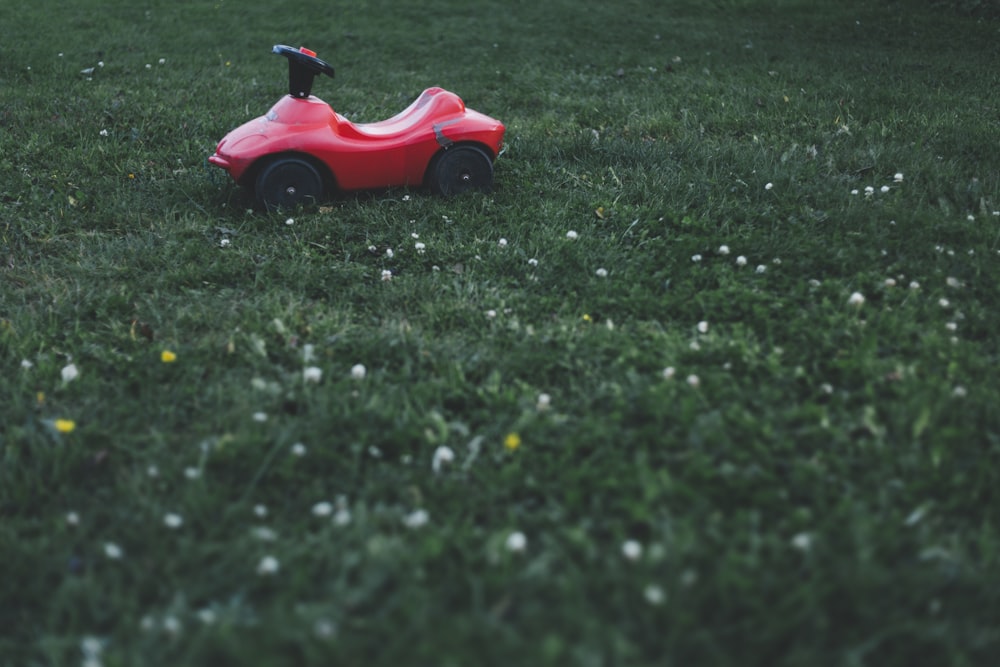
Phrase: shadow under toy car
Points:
(302, 149)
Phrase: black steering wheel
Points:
(303, 67)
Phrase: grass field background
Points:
(710, 378)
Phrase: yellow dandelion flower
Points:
(512, 441)
(65, 425)
(586, 317)
(168, 357)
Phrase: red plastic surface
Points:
(392, 152)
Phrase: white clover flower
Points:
(703, 327)
(869, 191)
(298, 449)
(192, 473)
(290, 221)
(914, 284)
(389, 253)
(944, 303)
(951, 326)
(959, 392)
(723, 250)
(741, 261)
(171, 624)
(516, 542)
(324, 628)
(898, 178)
(342, 517)
(802, 541)
(206, 616)
(322, 508)
(72, 518)
(885, 189)
(224, 243)
(113, 551)
(953, 282)
(890, 282)
(769, 186)
(260, 417)
(502, 243)
(826, 388)
(268, 565)
(632, 550)
(761, 268)
(654, 595)
(91, 647)
(70, 372)
(263, 533)
(854, 192)
(386, 275)
(173, 521)
(694, 381)
(420, 247)
(163, 61)
(572, 235)
(532, 262)
(416, 519)
(970, 218)
(856, 299)
(669, 372)
(104, 133)
(312, 374)
(543, 402)
(491, 313)
(358, 372)
(260, 510)
(443, 455)
(602, 273)
(696, 258)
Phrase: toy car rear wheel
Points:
(288, 182)
(461, 169)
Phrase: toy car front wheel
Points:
(287, 183)
(461, 169)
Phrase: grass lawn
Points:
(710, 377)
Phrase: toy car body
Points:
(302, 148)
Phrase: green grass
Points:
(812, 482)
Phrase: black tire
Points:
(288, 182)
(461, 169)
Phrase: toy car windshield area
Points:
(302, 149)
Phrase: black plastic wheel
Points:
(461, 169)
(288, 182)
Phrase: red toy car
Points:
(302, 149)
